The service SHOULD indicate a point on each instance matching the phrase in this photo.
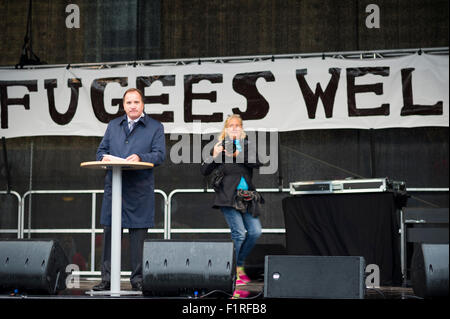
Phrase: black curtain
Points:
(362, 224)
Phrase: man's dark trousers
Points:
(137, 237)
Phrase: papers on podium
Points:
(114, 158)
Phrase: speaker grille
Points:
(32, 266)
(175, 268)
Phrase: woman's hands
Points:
(218, 148)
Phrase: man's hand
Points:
(133, 158)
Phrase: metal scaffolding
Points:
(370, 54)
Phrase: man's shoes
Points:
(104, 285)
(136, 286)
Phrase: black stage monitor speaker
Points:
(181, 268)
(326, 277)
(254, 263)
(429, 270)
(32, 265)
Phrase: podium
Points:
(116, 217)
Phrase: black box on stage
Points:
(32, 266)
(322, 277)
(181, 268)
(254, 263)
(429, 270)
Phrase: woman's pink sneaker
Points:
(240, 294)
(244, 278)
(240, 282)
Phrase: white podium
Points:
(116, 218)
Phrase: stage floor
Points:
(251, 304)
(251, 291)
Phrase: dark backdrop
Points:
(117, 30)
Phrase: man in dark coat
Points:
(134, 137)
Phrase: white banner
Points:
(282, 95)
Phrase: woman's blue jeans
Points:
(245, 230)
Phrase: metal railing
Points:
(93, 230)
(171, 230)
(167, 229)
(427, 189)
(19, 205)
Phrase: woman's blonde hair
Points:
(227, 121)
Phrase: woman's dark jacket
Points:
(233, 169)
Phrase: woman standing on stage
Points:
(233, 161)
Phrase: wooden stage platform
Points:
(252, 291)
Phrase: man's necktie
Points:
(131, 125)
